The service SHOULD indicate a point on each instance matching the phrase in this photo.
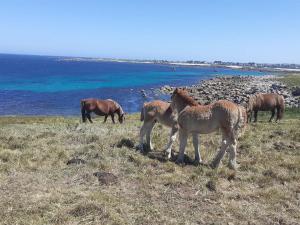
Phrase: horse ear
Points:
(176, 90)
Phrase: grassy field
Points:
(38, 187)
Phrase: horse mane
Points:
(117, 106)
(183, 94)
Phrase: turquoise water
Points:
(39, 85)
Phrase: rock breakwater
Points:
(237, 89)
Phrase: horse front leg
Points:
(198, 159)
(148, 135)
(255, 116)
(272, 116)
(183, 135)
(105, 118)
(249, 117)
(173, 134)
(113, 118)
(142, 134)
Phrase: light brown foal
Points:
(203, 119)
(157, 111)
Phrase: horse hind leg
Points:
(225, 142)
(183, 135)
(148, 135)
(232, 155)
(143, 132)
(198, 159)
(273, 114)
(279, 114)
(88, 115)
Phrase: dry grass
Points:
(38, 187)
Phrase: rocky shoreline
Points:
(238, 89)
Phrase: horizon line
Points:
(142, 60)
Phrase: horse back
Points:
(269, 101)
(98, 106)
(158, 110)
(89, 104)
(207, 118)
(107, 106)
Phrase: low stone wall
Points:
(237, 89)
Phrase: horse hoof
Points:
(213, 166)
(179, 161)
(168, 154)
(140, 147)
(197, 162)
(232, 166)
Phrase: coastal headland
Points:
(57, 170)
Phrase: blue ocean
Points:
(42, 85)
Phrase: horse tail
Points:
(142, 113)
(281, 107)
(83, 111)
(240, 123)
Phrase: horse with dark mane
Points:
(100, 107)
(266, 102)
(203, 119)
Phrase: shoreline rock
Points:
(237, 89)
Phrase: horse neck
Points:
(119, 111)
(181, 104)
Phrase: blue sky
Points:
(228, 30)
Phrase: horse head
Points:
(180, 99)
(122, 117)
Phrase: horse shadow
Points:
(161, 156)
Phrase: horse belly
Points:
(100, 113)
(167, 121)
(268, 105)
(196, 125)
(206, 126)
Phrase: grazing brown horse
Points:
(266, 102)
(157, 111)
(204, 119)
(100, 107)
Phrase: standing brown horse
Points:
(266, 102)
(100, 107)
